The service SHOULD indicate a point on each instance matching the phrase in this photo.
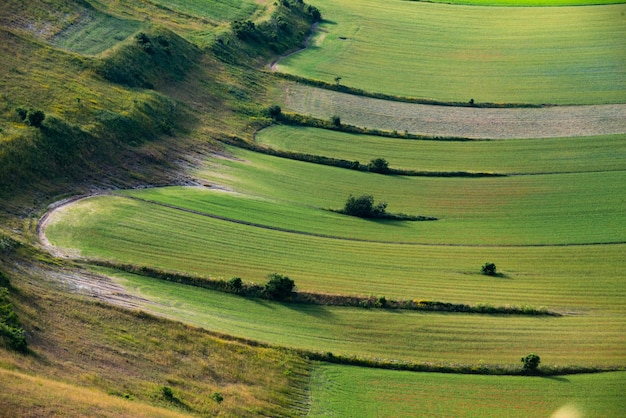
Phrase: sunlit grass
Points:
(528, 156)
(346, 391)
(562, 55)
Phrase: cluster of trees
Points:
(365, 207)
(32, 117)
(277, 31)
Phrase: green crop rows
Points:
(565, 55)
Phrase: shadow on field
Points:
(557, 378)
(317, 311)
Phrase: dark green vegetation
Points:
(113, 94)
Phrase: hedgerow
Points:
(360, 92)
(252, 290)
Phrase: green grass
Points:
(562, 55)
(529, 156)
(350, 391)
(592, 339)
(562, 278)
(220, 10)
(527, 3)
(543, 209)
(95, 32)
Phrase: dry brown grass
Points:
(87, 357)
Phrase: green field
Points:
(564, 55)
(527, 3)
(350, 391)
(595, 338)
(95, 32)
(219, 10)
(531, 156)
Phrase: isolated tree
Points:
(364, 207)
(530, 363)
(378, 165)
(489, 269)
(279, 287)
(35, 118)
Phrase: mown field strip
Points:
(530, 156)
(465, 122)
(222, 10)
(348, 391)
(565, 55)
(527, 3)
(409, 336)
(524, 210)
(568, 278)
(95, 32)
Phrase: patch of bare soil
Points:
(465, 122)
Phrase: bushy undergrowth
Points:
(12, 334)
(284, 30)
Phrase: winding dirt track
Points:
(465, 122)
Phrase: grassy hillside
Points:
(89, 357)
(113, 94)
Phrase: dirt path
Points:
(466, 122)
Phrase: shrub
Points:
(378, 165)
(363, 207)
(530, 363)
(243, 29)
(273, 112)
(167, 392)
(335, 120)
(279, 287)
(10, 331)
(489, 269)
(235, 284)
(217, 397)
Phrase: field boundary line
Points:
(334, 237)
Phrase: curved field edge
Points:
(562, 278)
(530, 156)
(524, 3)
(565, 55)
(341, 390)
(428, 341)
(447, 121)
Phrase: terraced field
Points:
(553, 223)
(343, 390)
(564, 55)
(95, 32)
(463, 122)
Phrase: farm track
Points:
(450, 121)
(41, 226)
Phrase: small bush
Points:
(378, 165)
(279, 287)
(530, 363)
(363, 207)
(217, 397)
(489, 269)
(235, 284)
(167, 392)
(335, 121)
